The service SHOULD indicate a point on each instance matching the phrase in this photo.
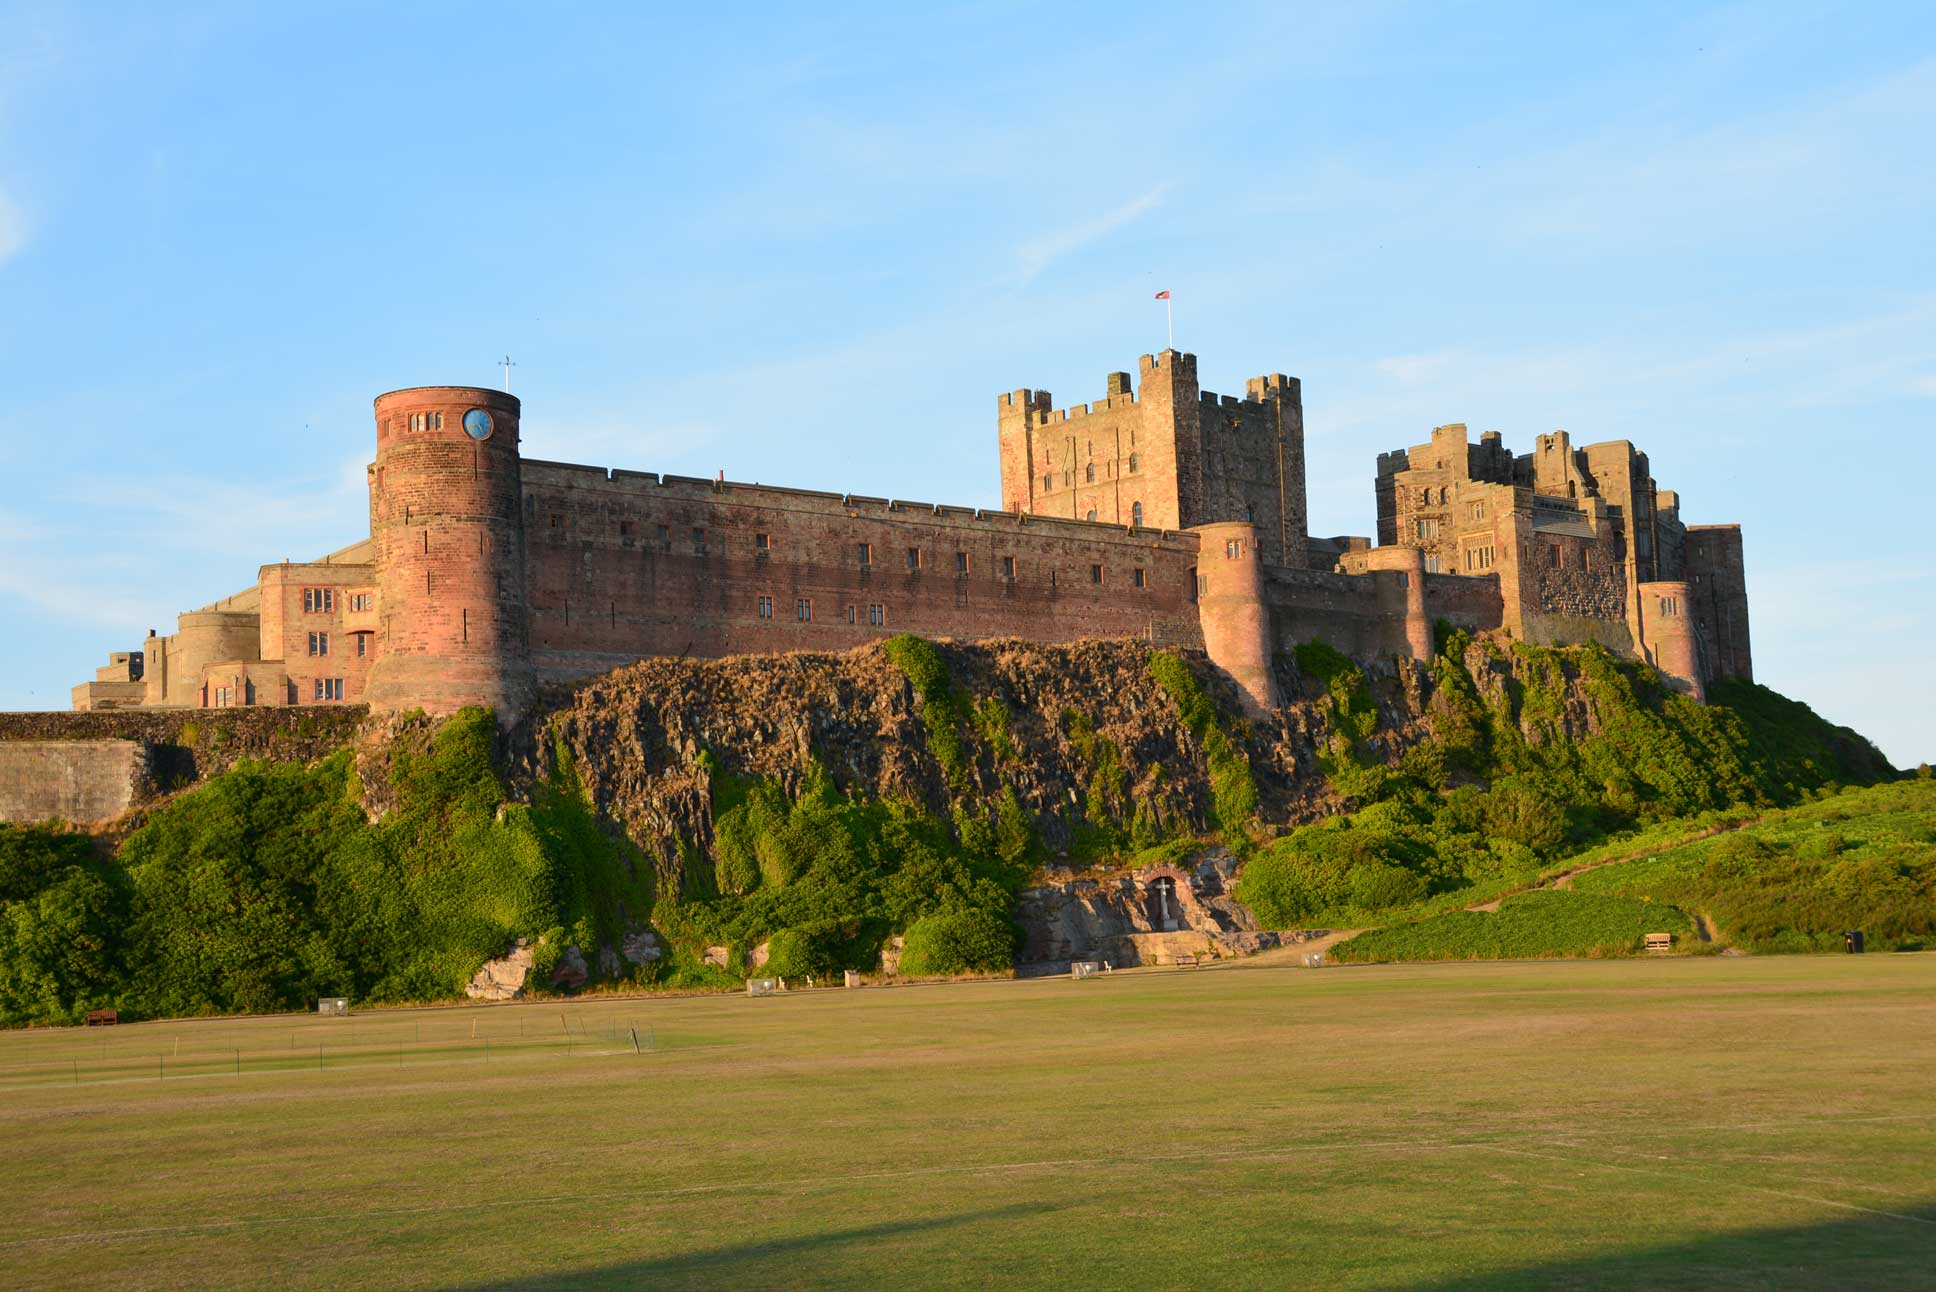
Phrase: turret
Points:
(446, 518)
(1236, 622)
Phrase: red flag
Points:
(1163, 296)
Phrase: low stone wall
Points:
(81, 782)
(82, 767)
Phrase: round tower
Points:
(1667, 632)
(447, 522)
(1236, 622)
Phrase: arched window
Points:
(1425, 496)
(1136, 514)
(1091, 515)
(1089, 473)
(1132, 462)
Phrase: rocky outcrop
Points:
(1146, 916)
(571, 972)
(503, 978)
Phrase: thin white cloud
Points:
(1039, 253)
(1924, 386)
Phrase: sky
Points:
(812, 245)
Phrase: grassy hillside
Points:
(820, 807)
(1862, 859)
(1791, 880)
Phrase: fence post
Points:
(635, 1040)
(238, 1060)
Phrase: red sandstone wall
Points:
(1469, 602)
(606, 588)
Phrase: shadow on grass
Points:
(1865, 1251)
(775, 1262)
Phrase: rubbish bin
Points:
(1852, 942)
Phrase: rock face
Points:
(640, 946)
(571, 971)
(503, 978)
(1140, 917)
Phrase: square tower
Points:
(1165, 456)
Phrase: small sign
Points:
(333, 1006)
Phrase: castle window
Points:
(1586, 559)
(1048, 483)
(914, 560)
(1557, 557)
(223, 697)
(766, 607)
(319, 643)
(961, 565)
(1136, 578)
(865, 551)
(1431, 565)
(665, 538)
(698, 541)
(853, 614)
(1670, 605)
(877, 616)
(1425, 497)
(1132, 463)
(762, 544)
(803, 610)
(1136, 513)
(1089, 473)
(329, 688)
(1427, 527)
(1233, 549)
(1091, 515)
(557, 521)
(362, 600)
(1095, 574)
(1008, 568)
(319, 600)
(1478, 511)
(362, 645)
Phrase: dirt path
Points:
(1565, 878)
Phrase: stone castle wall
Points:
(626, 564)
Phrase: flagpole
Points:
(1169, 319)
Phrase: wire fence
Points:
(177, 1051)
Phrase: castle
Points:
(1164, 512)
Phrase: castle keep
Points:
(1159, 511)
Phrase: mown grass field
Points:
(1684, 1123)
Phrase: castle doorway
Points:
(1164, 913)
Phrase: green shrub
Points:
(958, 940)
(1824, 846)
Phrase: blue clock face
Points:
(477, 424)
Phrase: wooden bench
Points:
(1186, 962)
(1660, 942)
(103, 1017)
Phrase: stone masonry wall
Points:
(82, 782)
(626, 565)
(179, 746)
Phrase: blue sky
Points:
(811, 246)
